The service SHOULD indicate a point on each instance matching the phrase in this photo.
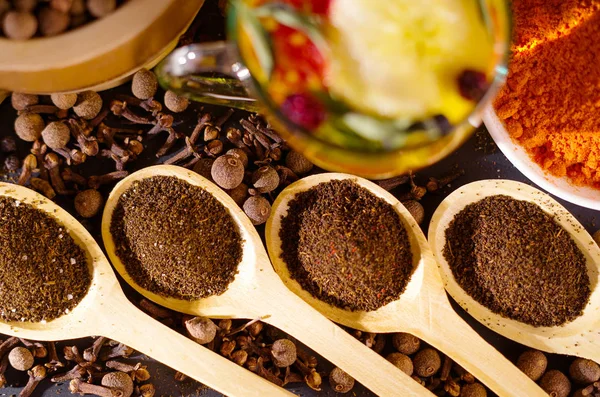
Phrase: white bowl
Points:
(518, 156)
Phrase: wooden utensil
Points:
(580, 337)
(257, 292)
(423, 309)
(106, 311)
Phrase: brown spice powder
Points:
(43, 272)
(346, 246)
(176, 239)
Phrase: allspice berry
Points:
(298, 163)
(88, 105)
(101, 8)
(204, 167)
(584, 371)
(283, 353)
(406, 343)
(416, 210)
(20, 359)
(53, 21)
(427, 362)
(88, 203)
(533, 363)
(402, 362)
(239, 194)
(258, 209)
(201, 329)
(21, 101)
(176, 103)
(120, 381)
(29, 126)
(144, 84)
(596, 236)
(265, 179)
(19, 25)
(56, 135)
(25, 5)
(64, 101)
(240, 154)
(473, 390)
(227, 171)
(340, 381)
(555, 383)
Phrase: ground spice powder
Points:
(513, 258)
(551, 102)
(43, 272)
(346, 246)
(175, 239)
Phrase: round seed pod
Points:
(12, 163)
(240, 154)
(25, 5)
(340, 381)
(473, 390)
(427, 362)
(101, 8)
(258, 209)
(595, 236)
(88, 105)
(53, 21)
(402, 362)
(21, 101)
(416, 210)
(88, 203)
(29, 126)
(19, 25)
(20, 359)
(239, 194)
(584, 371)
(204, 166)
(120, 381)
(144, 84)
(265, 179)
(555, 383)
(176, 103)
(227, 171)
(64, 101)
(298, 163)
(283, 353)
(533, 363)
(201, 329)
(406, 343)
(56, 135)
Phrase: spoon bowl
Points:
(422, 310)
(105, 311)
(580, 337)
(257, 292)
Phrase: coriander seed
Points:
(144, 84)
(56, 135)
(265, 179)
(101, 8)
(402, 362)
(20, 359)
(258, 209)
(427, 362)
(533, 363)
(555, 383)
(473, 390)
(88, 203)
(227, 171)
(584, 371)
(64, 101)
(19, 25)
(340, 381)
(21, 101)
(298, 163)
(88, 105)
(406, 343)
(29, 126)
(283, 353)
(176, 103)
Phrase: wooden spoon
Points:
(580, 337)
(423, 309)
(257, 292)
(106, 311)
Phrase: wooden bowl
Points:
(99, 55)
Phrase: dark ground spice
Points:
(43, 272)
(346, 246)
(176, 239)
(513, 258)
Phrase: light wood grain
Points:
(423, 309)
(580, 337)
(106, 311)
(257, 292)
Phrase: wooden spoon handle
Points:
(134, 328)
(453, 336)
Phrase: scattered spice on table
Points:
(43, 272)
(176, 239)
(346, 246)
(513, 258)
(551, 100)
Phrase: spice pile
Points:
(43, 272)
(166, 226)
(513, 258)
(346, 246)
(550, 102)
(24, 19)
